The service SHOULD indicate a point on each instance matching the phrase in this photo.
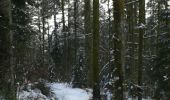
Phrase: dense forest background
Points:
(122, 45)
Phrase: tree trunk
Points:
(40, 34)
(65, 62)
(131, 13)
(75, 30)
(63, 14)
(96, 86)
(12, 64)
(118, 43)
(88, 42)
(68, 38)
(158, 28)
(43, 33)
(6, 51)
(141, 33)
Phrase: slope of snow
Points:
(65, 92)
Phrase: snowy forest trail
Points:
(57, 91)
(61, 91)
(65, 92)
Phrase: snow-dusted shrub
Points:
(45, 90)
(31, 95)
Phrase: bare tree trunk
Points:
(109, 30)
(158, 28)
(43, 33)
(131, 16)
(118, 46)
(12, 64)
(68, 39)
(96, 78)
(75, 30)
(65, 63)
(40, 34)
(88, 42)
(6, 48)
(140, 52)
(63, 14)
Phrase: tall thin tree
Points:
(13, 96)
(65, 63)
(43, 32)
(6, 51)
(88, 41)
(75, 30)
(118, 20)
(141, 33)
(96, 87)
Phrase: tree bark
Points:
(141, 33)
(131, 17)
(6, 51)
(88, 42)
(96, 87)
(75, 30)
(65, 62)
(118, 45)
(12, 64)
(43, 33)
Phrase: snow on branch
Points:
(141, 26)
(105, 66)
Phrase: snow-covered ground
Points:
(59, 91)
(65, 92)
